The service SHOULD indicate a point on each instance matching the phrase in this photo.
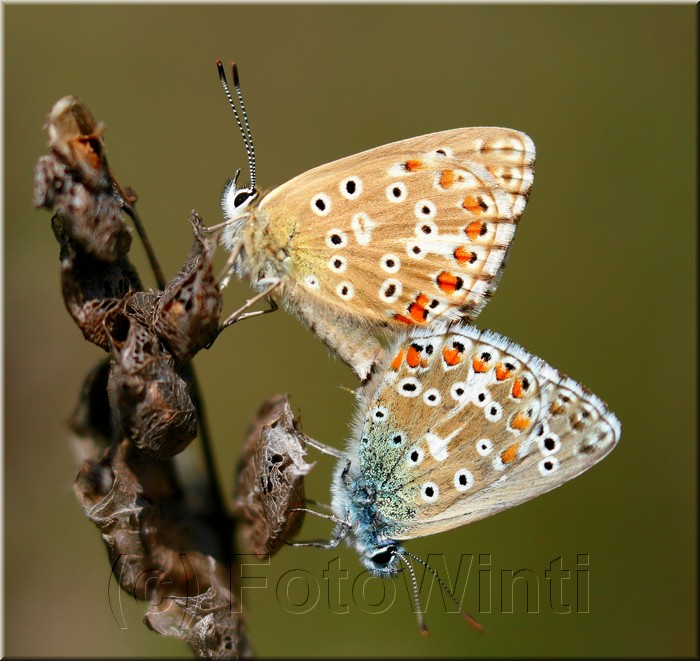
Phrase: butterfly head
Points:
(236, 202)
(382, 559)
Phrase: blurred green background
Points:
(601, 284)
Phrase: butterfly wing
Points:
(408, 232)
(484, 426)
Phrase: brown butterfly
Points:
(402, 235)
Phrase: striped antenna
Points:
(243, 127)
(447, 590)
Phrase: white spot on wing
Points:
(320, 204)
(396, 192)
(346, 186)
(464, 480)
(362, 226)
(390, 290)
(425, 209)
(438, 445)
(409, 387)
(415, 456)
(429, 491)
(345, 290)
(484, 446)
(390, 263)
(548, 465)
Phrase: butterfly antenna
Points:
(416, 598)
(447, 590)
(249, 144)
(244, 133)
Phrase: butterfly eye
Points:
(242, 197)
(234, 200)
(384, 556)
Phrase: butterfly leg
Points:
(311, 501)
(240, 314)
(227, 271)
(326, 449)
(343, 529)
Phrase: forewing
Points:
(409, 232)
(485, 426)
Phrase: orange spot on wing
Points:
(424, 362)
(462, 255)
(471, 204)
(509, 453)
(520, 422)
(517, 388)
(475, 229)
(412, 165)
(479, 365)
(452, 356)
(502, 372)
(398, 359)
(404, 320)
(447, 178)
(412, 357)
(417, 309)
(448, 282)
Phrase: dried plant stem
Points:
(148, 246)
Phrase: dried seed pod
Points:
(93, 220)
(270, 480)
(137, 505)
(150, 400)
(211, 622)
(91, 422)
(92, 289)
(77, 138)
(75, 181)
(187, 313)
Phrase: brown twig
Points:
(141, 406)
(138, 409)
